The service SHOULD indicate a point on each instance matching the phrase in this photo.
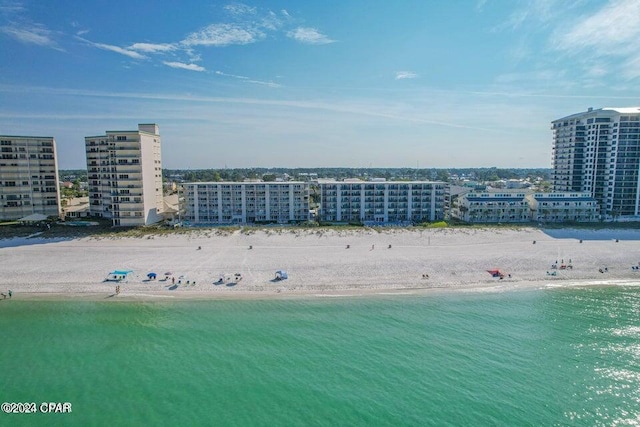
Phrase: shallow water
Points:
(543, 357)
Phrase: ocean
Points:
(567, 356)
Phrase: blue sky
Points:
(316, 83)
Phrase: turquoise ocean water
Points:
(543, 357)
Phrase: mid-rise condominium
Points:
(209, 203)
(598, 152)
(383, 202)
(125, 175)
(28, 177)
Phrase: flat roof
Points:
(620, 110)
(495, 199)
(381, 182)
(27, 136)
(245, 183)
(564, 199)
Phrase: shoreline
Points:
(160, 296)
(320, 263)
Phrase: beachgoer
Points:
(173, 280)
(10, 293)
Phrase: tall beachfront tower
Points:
(598, 152)
(125, 175)
(28, 176)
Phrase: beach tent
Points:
(495, 273)
(35, 217)
(281, 275)
(118, 275)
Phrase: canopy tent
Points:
(281, 275)
(495, 273)
(118, 275)
(34, 217)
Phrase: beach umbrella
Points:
(168, 273)
(151, 275)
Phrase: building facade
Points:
(125, 176)
(398, 202)
(503, 207)
(28, 177)
(598, 152)
(564, 207)
(213, 203)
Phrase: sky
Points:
(317, 83)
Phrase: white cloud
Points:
(240, 9)
(248, 80)
(33, 34)
(182, 65)
(614, 27)
(611, 32)
(116, 49)
(405, 75)
(309, 36)
(152, 47)
(223, 35)
(220, 73)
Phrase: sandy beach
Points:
(319, 262)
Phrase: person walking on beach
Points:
(10, 294)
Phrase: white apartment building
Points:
(397, 202)
(214, 203)
(598, 152)
(125, 175)
(28, 177)
(563, 207)
(503, 207)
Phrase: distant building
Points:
(125, 176)
(564, 207)
(76, 208)
(209, 203)
(28, 177)
(382, 202)
(598, 152)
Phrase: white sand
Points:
(318, 262)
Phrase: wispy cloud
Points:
(11, 7)
(240, 9)
(400, 75)
(117, 49)
(182, 65)
(152, 47)
(32, 34)
(249, 80)
(223, 35)
(235, 76)
(612, 31)
(309, 36)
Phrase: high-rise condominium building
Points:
(598, 152)
(125, 175)
(28, 177)
(246, 202)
